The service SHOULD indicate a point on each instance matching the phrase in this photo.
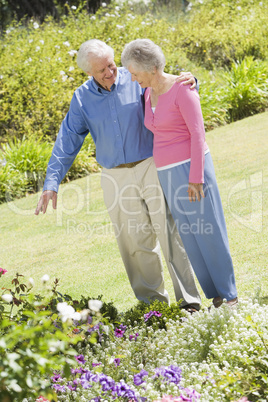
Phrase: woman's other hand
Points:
(195, 191)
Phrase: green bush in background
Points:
(39, 74)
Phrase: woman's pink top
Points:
(178, 128)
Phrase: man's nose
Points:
(109, 71)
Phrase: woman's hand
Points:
(195, 191)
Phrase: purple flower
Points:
(138, 378)
(134, 336)
(116, 362)
(72, 386)
(80, 359)
(150, 314)
(59, 388)
(106, 382)
(189, 395)
(171, 374)
(96, 364)
(56, 378)
(119, 332)
(123, 390)
(87, 378)
(79, 370)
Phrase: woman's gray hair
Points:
(89, 50)
(144, 55)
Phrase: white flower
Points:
(62, 72)
(57, 47)
(95, 305)
(73, 7)
(72, 52)
(103, 4)
(45, 278)
(93, 17)
(66, 43)
(35, 25)
(30, 40)
(31, 281)
(120, 26)
(42, 41)
(64, 77)
(54, 81)
(37, 48)
(71, 68)
(7, 298)
(67, 312)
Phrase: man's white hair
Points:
(91, 49)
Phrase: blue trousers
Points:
(202, 229)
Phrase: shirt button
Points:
(114, 121)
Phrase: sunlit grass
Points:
(76, 242)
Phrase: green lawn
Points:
(76, 243)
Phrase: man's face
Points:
(104, 70)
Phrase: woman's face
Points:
(144, 78)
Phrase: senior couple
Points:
(158, 178)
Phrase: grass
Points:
(76, 243)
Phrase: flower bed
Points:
(90, 352)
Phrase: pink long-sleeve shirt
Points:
(178, 128)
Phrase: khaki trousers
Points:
(142, 223)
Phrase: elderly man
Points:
(110, 106)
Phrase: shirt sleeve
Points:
(189, 104)
(69, 141)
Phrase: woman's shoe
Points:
(233, 302)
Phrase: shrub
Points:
(38, 336)
(25, 163)
(144, 312)
(215, 33)
(246, 92)
(12, 184)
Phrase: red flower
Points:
(2, 271)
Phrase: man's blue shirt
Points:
(114, 120)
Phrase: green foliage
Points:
(215, 33)
(39, 72)
(135, 315)
(24, 164)
(35, 342)
(246, 92)
(12, 184)
(29, 158)
(31, 346)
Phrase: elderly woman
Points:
(184, 164)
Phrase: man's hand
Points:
(188, 78)
(44, 200)
(195, 191)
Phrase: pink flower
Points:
(41, 399)
(2, 271)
